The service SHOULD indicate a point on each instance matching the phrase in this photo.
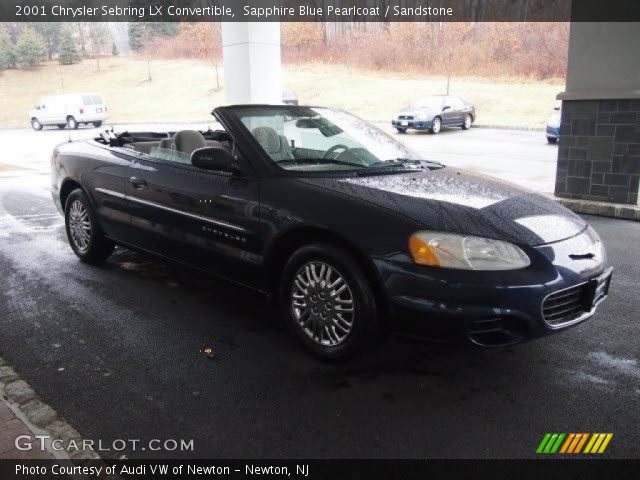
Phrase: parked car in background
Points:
(553, 126)
(69, 111)
(289, 97)
(434, 112)
(350, 231)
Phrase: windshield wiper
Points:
(322, 161)
(387, 163)
(406, 162)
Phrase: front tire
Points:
(468, 121)
(72, 123)
(436, 125)
(97, 124)
(85, 236)
(401, 130)
(552, 139)
(35, 124)
(327, 302)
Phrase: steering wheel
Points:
(331, 150)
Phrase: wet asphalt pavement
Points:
(116, 350)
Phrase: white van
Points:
(69, 111)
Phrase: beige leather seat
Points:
(186, 141)
(166, 143)
(275, 145)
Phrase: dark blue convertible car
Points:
(349, 231)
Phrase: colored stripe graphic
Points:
(598, 443)
(550, 443)
(581, 442)
(573, 443)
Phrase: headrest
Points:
(166, 143)
(187, 141)
(268, 139)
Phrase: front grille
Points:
(406, 117)
(565, 306)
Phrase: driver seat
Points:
(276, 146)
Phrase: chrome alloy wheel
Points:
(467, 122)
(322, 303)
(79, 225)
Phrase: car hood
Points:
(451, 200)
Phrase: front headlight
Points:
(448, 250)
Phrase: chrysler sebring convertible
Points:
(352, 234)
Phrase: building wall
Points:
(599, 149)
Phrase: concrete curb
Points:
(213, 120)
(489, 127)
(507, 127)
(40, 418)
(602, 209)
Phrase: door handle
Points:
(138, 183)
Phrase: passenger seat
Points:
(187, 141)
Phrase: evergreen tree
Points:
(50, 31)
(7, 53)
(137, 35)
(30, 48)
(162, 29)
(142, 33)
(68, 52)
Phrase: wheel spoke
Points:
(322, 303)
(79, 225)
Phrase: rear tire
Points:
(334, 314)
(35, 124)
(436, 125)
(72, 123)
(85, 236)
(552, 139)
(97, 124)
(468, 121)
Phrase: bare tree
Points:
(99, 37)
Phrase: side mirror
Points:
(446, 107)
(215, 158)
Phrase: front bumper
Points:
(413, 124)
(492, 309)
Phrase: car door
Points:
(450, 114)
(45, 111)
(103, 171)
(206, 219)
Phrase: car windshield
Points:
(324, 139)
(429, 102)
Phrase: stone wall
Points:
(599, 151)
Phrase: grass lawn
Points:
(182, 90)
